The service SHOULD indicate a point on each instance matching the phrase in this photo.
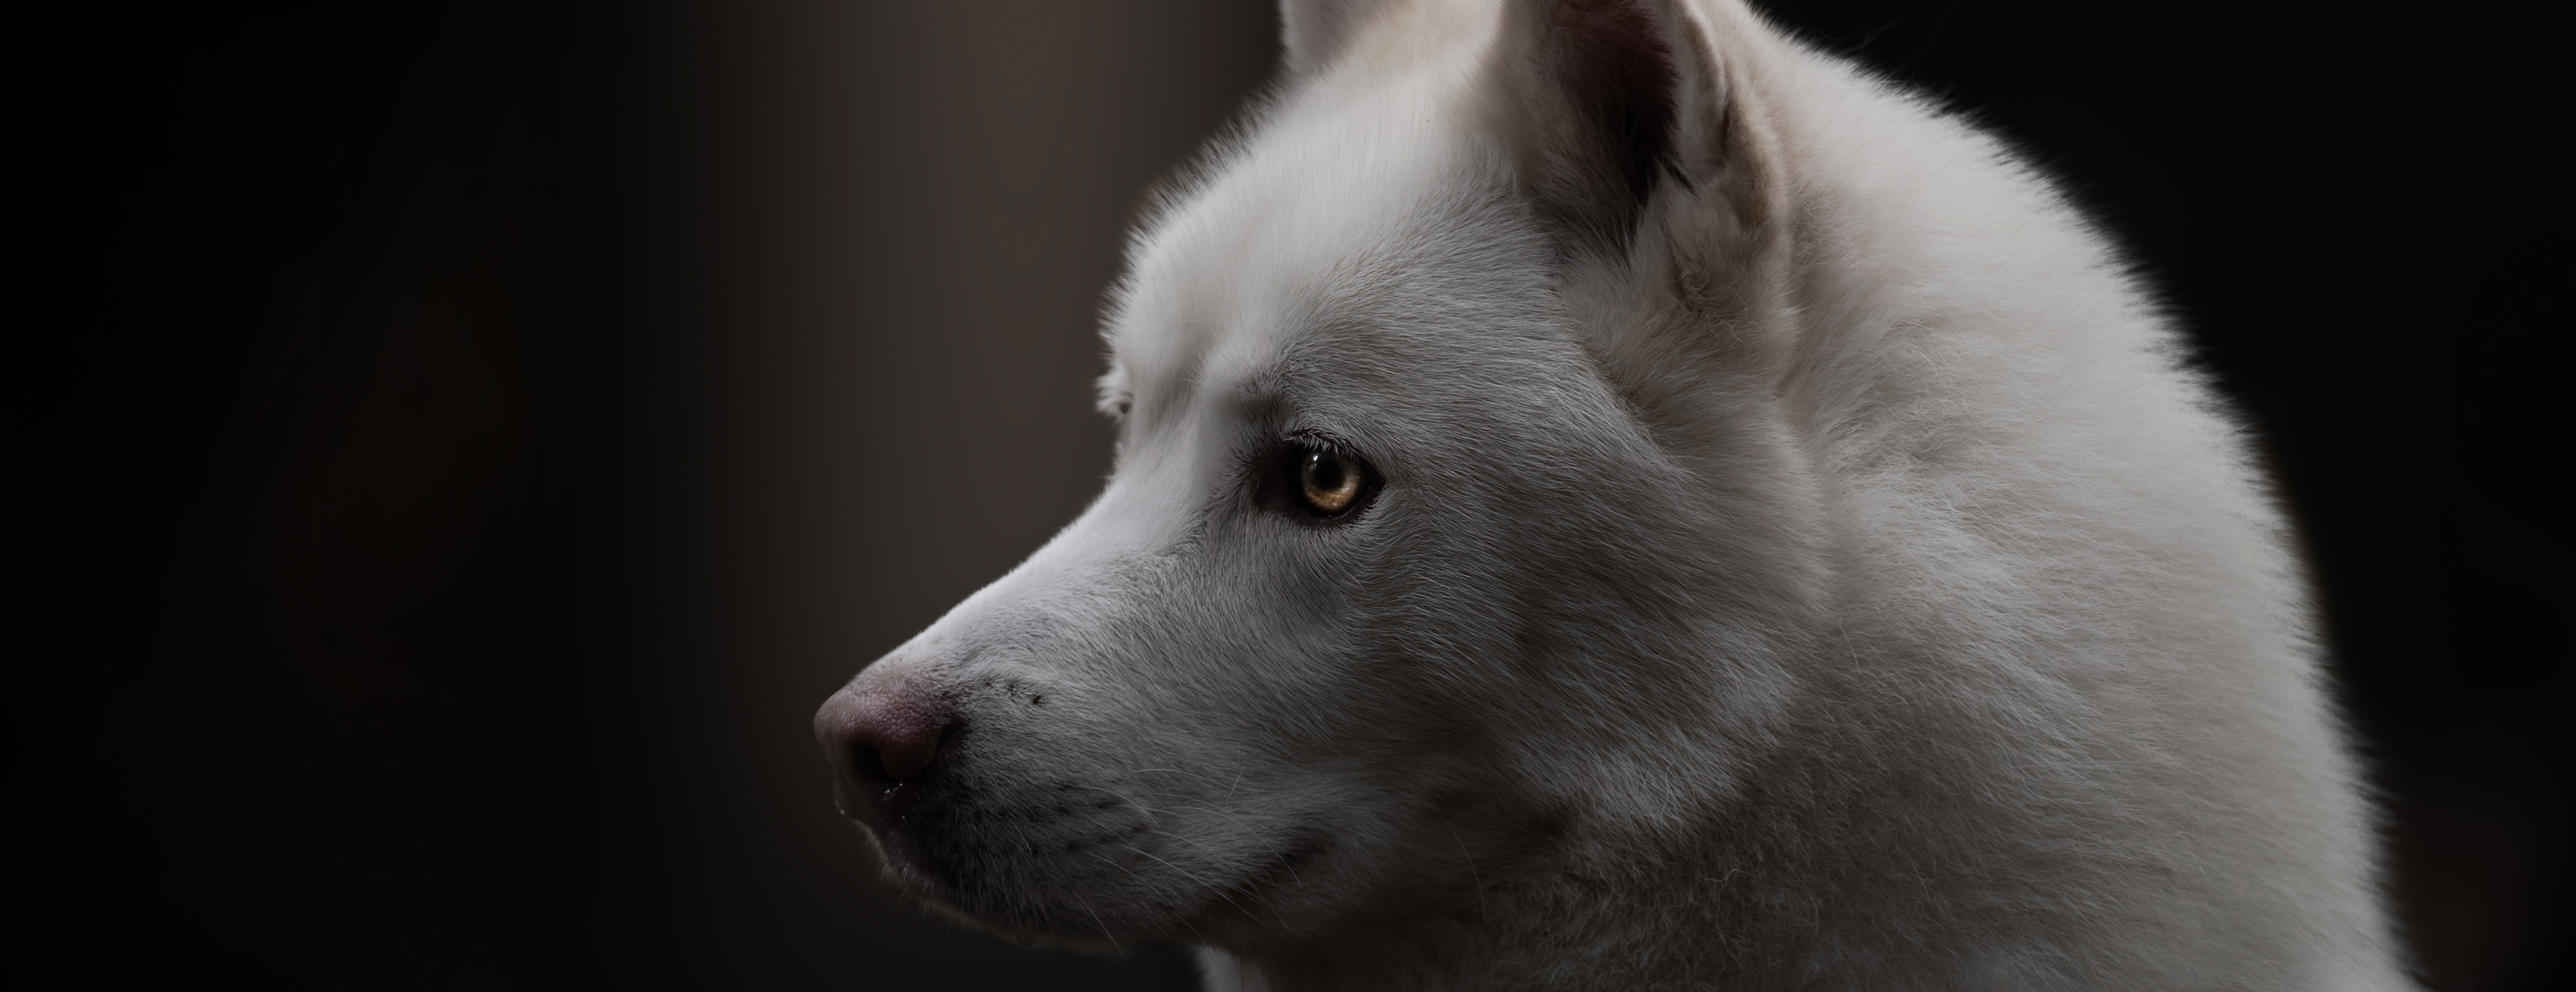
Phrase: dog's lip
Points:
(898, 799)
(879, 813)
(886, 815)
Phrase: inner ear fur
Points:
(1640, 141)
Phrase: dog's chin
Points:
(1059, 863)
(1022, 929)
(1055, 915)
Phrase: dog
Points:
(1610, 497)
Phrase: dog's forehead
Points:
(1311, 219)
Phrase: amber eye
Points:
(1328, 482)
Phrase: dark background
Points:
(461, 442)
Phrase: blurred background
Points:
(465, 440)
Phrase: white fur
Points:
(1844, 585)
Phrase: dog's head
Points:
(1449, 514)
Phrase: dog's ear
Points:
(1642, 142)
(1611, 102)
(1312, 32)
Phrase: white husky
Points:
(1610, 498)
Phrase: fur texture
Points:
(1802, 559)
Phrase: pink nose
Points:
(882, 737)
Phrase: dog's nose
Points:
(882, 736)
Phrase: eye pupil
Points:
(1329, 482)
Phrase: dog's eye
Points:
(1329, 481)
(1313, 480)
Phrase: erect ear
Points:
(1611, 102)
(1314, 31)
(1642, 139)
